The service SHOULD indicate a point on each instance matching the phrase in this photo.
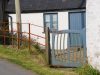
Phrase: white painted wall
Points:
(62, 20)
(37, 19)
(93, 32)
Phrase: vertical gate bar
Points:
(76, 52)
(60, 48)
(69, 48)
(53, 53)
(81, 56)
(57, 46)
(76, 56)
(75, 46)
(47, 43)
(54, 44)
(72, 46)
(78, 46)
(29, 39)
(81, 49)
(64, 52)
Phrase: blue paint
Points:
(76, 43)
(76, 22)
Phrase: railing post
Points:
(47, 42)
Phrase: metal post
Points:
(47, 42)
(18, 12)
(18, 16)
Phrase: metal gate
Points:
(62, 53)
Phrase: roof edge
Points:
(41, 11)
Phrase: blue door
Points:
(77, 22)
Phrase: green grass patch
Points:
(35, 61)
(87, 70)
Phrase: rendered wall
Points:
(37, 19)
(93, 32)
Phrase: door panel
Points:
(76, 22)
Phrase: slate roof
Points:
(29, 6)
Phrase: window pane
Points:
(51, 21)
(47, 24)
(75, 21)
(47, 18)
(54, 17)
(54, 25)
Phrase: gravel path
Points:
(7, 68)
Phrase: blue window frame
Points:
(51, 21)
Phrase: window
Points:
(51, 21)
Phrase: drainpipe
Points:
(11, 24)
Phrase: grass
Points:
(35, 61)
(87, 70)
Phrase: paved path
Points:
(7, 68)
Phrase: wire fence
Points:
(21, 35)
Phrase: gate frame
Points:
(47, 43)
(48, 49)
